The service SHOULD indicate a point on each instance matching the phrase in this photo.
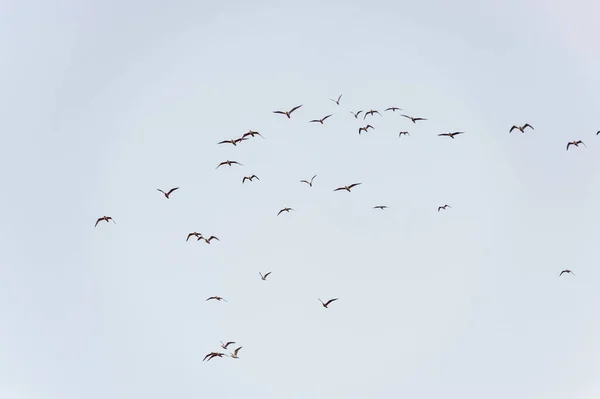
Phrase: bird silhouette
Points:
(338, 100)
(414, 120)
(229, 163)
(309, 182)
(284, 210)
(106, 219)
(348, 188)
(393, 109)
(168, 192)
(371, 112)
(451, 135)
(320, 120)
(566, 271)
(234, 355)
(326, 304)
(365, 128)
(382, 207)
(218, 298)
(355, 114)
(212, 355)
(403, 134)
(575, 143)
(225, 345)
(209, 239)
(251, 133)
(264, 276)
(194, 234)
(287, 113)
(444, 207)
(235, 142)
(250, 178)
(521, 128)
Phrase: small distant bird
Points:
(337, 101)
(287, 113)
(326, 304)
(347, 188)
(444, 207)
(264, 276)
(566, 271)
(451, 135)
(284, 210)
(234, 355)
(403, 133)
(598, 132)
(309, 182)
(355, 114)
(365, 129)
(229, 163)
(105, 218)
(168, 192)
(320, 120)
(233, 141)
(225, 345)
(575, 143)
(382, 207)
(195, 234)
(251, 133)
(371, 112)
(209, 239)
(393, 109)
(414, 120)
(212, 355)
(521, 128)
(218, 298)
(250, 178)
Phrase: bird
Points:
(225, 345)
(252, 133)
(403, 133)
(168, 192)
(337, 101)
(264, 276)
(382, 207)
(212, 355)
(284, 210)
(566, 271)
(371, 112)
(320, 120)
(228, 162)
(287, 113)
(598, 132)
(521, 128)
(393, 109)
(250, 178)
(234, 355)
(209, 239)
(451, 135)
(365, 128)
(196, 234)
(309, 182)
(218, 298)
(355, 114)
(106, 218)
(444, 207)
(414, 120)
(575, 143)
(233, 141)
(348, 188)
(326, 304)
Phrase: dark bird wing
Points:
(267, 274)
(279, 112)
(444, 134)
(312, 178)
(219, 165)
(341, 188)
(295, 108)
(354, 185)
(304, 181)
(315, 120)
(278, 213)
(244, 179)
(326, 117)
(254, 176)
(213, 237)
(235, 352)
(98, 221)
(527, 125)
(173, 189)
(329, 301)
(513, 128)
(419, 119)
(212, 297)
(568, 145)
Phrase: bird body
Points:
(521, 128)
(212, 355)
(309, 182)
(105, 218)
(414, 120)
(443, 207)
(382, 207)
(218, 298)
(235, 142)
(284, 210)
(209, 239)
(338, 100)
(225, 345)
(229, 163)
(168, 192)
(320, 120)
(234, 355)
(195, 234)
(403, 134)
(326, 304)
(251, 133)
(356, 114)
(393, 109)
(365, 128)
(250, 178)
(264, 276)
(451, 135)
(575, 143)
(566, 271)
(371, 112)
(287, 113)
(347, 188)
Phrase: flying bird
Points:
(225, 345)
(444, 207)
(195, 234)
(233, 141)
(393, 109)
(264, 276)
(218, 298)
(575, 143)
(105, 218)
(229, 163)
(355, 114)
(451, 135)
(309, 182)
(209, 239)
(320, 120)
(365, 129)
(168, 192)
(414, 120)
(235, 353)
(598, 132)
(212, 355)
(347, 188)
(371, 112)
(521, 128)
(287, 113)
(284, 210)
(326, 304)
(566, 271)
(382, 207)
(250, 178)
(252, 133)
(403, 133)
(337, 101)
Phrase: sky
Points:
(105, 102)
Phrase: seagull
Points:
(320, 120)
(235, 353)
(371, 112)
(382, 207)
(250, 178)
(347, 188)
(414, 120)
(264, 277)
(403, 133)
(451, 135)
(225, 345)
(284, 210)
(566, 271)
(209, 239)
(212, 355)
(106, 218)
(168, 192)
(444, 207)
(337, 101)
(287, 113)
(521, 128)
(393, 109)
(575, 143)
(309, 182)
(218, 298)
(196, 234)
(228, 162)
(365, 129)
(355, 114)
(251, 133)
(233, 141)
(326, 304)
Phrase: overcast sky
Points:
(104, 102)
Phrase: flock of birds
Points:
(251, 134)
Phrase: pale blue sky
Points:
(104, 102)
